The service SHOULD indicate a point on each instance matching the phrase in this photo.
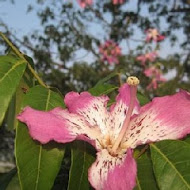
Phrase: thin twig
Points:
(22, 57)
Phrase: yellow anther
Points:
(124, 145)
(132, 81)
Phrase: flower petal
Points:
(166, 117)
(58, 125)
(124, 97)
(160, 38)
(93, 109)
(111, 173)
(119, 110)
(142, 58)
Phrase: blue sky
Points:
(15, 15)
(21, 23)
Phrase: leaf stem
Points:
(22, 57)
(119, 78)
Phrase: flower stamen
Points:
(132, 82)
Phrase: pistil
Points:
(132, 82)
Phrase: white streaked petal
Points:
(101, 167)
(117, 117)
(113, 173)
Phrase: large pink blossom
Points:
(110, 52)
(115, 2)
(155, 75)
(114, 131)
(84, 3)
(147, 57)
(153, 34)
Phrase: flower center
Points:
(132, 82)
(107, 142)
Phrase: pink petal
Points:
(148, 38)
(123, 99)
(142, 58)
(111, 173)
(151, 56)
(119, 110)
(154, 83)
(148, 72)
(58, 125)
(84, 3)
(110, 51)
(160, 38)
(162, 79)
(115, 2)
(93, 109)
(166, 117)
(81, 3)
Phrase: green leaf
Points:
(171, 164)
(102, 89)
(102, 81)
(10, 115)
(11, 71)
(145, 176)
(6, 178)
(142, 99)
(26, 82)
(14, 184)
(81, 159)
(37, 164)
(187, 139)
(29, 60)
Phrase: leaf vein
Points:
(172, 165)
(12, 68)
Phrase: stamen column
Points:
(132, 82)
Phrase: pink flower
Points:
(153, 34)
(110, 52)
(156, 76)
(84, 3)
(147, 57)
(114, 133)
(115, 2)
